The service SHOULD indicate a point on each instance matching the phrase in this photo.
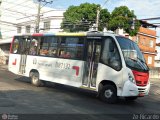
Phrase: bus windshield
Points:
(133, 57)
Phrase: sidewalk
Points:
(3, 67)
(155, 80)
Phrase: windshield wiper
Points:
(143, 62)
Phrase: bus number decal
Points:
(62, 65)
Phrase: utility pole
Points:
(97, 19)
(98, 14)
(39, 12)
(38, 17)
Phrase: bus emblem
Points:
(34, 61)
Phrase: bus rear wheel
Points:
(108, 94)
(35, 79)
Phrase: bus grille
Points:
(141, 78)
(141, 90)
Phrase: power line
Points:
(155, 18)
(7, 22)
(23, 4)
(18, 12)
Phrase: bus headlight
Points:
(131, 78)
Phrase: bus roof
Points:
(89, 33)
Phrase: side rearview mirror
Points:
(115, 64)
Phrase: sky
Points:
(142, 8)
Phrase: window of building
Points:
(28, 29)
(47, 25)
(19, 29)
(149, 60)
(151, 43)
(137, 39)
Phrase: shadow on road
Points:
(76, 93)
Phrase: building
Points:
(146, 40)
(157, 58)
(20, 17)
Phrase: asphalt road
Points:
(21, 100)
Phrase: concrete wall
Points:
(155, 73)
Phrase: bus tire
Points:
(35, 79)
(108, 94)
(131, 98)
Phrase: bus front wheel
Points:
(35, 79)
(108, 94)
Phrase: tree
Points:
(81, 18)
(122, 17)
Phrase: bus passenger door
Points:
(92, 60)
(25, 42)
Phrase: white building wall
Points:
(157, 63)
(22, 13)
(157, 58)
(11, 11)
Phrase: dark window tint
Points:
(33, 50)
(48, 46)
(15, 45)
(71, 47)
(21, 44)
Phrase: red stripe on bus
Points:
(77, 70)
(37, 34)
(15, 62)
(11, 45)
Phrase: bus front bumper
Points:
(131, 89)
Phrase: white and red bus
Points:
(107, 63)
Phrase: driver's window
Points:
(110, 54)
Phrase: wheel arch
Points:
(106, 82)
(32, 71)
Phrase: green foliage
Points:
(80, 18)
(122, 17)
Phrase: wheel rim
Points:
(34, 79)
(108, 93)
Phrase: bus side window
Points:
(110, 55)
(53, 44)
(44, 46)
(71, 47)
(33, 46)
(52, 52)
(15, 45)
